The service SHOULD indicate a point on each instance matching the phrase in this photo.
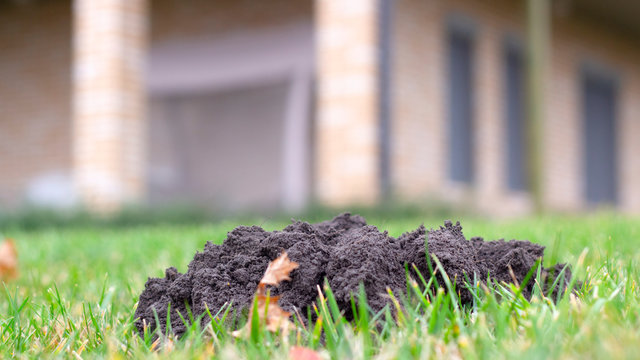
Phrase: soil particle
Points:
(346, 252)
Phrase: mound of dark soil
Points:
(345, 251)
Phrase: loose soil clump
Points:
(346, 252)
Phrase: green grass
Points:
(78, 288)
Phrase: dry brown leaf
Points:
(303, 353)
(269, 312)
(271, 315)
(278, 270)
(168, 345)
(276, 317)
(8, 260)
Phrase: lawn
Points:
(78, 288)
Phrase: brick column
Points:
(109, 102)
(347, 153)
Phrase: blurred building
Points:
(253, 104)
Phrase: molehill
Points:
(346, 252)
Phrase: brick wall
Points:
(418, 146)
(578, 40)
(420, 128)
(35, 87)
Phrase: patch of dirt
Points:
(345, 251)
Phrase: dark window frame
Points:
(599, 139)
(460, 41)
(514, 81)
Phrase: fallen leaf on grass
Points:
(8, 260)
(271, 315)
(168, 345)
(303, 353)
(269, 312)
(276, 318)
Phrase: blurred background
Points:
(505, 107)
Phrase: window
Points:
(599, 97)
(460, 48)
(516, 140)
